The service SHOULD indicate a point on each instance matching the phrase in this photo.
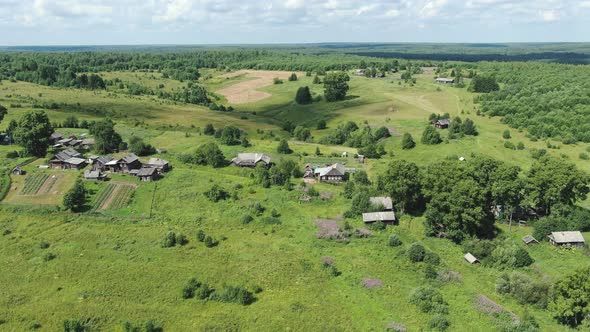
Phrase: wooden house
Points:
(100, 163)
(147, 174)
(332, 173)
(442, 123)
(94, 175)
(59, 161)
(574, 239)
(55, 138)
(251, 160)
(18, 171)
(386, 202)
(128, 163)
(386, 217)
(159, 164)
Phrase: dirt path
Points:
(48, 184)
(246, 91)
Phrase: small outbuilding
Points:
(471, 259)
(147, 174)
(442, 123)
(94, 175)
(18, 171)
(386, 202)
(100, 163)
(386, 217)
(574, 239)
(445, 80)
(529, 239)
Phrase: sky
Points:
(142, 22)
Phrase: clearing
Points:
(246, 91)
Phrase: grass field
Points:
(110, 266)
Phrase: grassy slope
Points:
(107, 263)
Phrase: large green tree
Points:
(207, 154)
(551, 182)
(107, 140)
(430, 136)
(408, 141)
(336, 86)
(3, 112)
(75, 198)
(303, 96)
(402, 181)
(32, 133)
(571, 298)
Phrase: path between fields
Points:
(246, 91)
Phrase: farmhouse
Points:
(387, 217)
(94, 175)
(100, 163)
(61, 159)
(75, 163)
(128, 163)
(18, 171)
(147, 174)
(159, 164)
(442, 123)
(470, 258)
(386, 202)
(251, 159)
(332, 173)
(445, 80)
(574, 239)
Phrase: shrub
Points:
(75, 325)
(416, 252)
(520, 146)
(49, 257)
(408, 142)
(188, 292)
(216, 193)
(584, 156)
(430, 272)
(394, 241)
(321, 125)
(209, 130)
(234, 294)
(201, 235)
(429, 299)
(378, 226)
(140, 148)
(203, 292)
(274, 213)
(439, 323)
(381, 132)
(283, 147)
(256, 208)
(430, 136)
(293, 77)
(169, 240)
(511, 255)
(506, 134)
(523, 288)
(431, 258)
(538, 153)
(210, 242)
(44, 245)
(277, 80)
(246, 219)
(180, 239)
(509, 145)
(303, 96)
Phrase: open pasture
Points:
(247, 91)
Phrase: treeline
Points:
(549, 100)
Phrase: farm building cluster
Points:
(58, 141)
(70, 159)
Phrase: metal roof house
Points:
(387, 217)
(62, 159)
(574, 239)
(251, 159)
(100, 163)
(128, 163)
(386, 202)
(442, 123)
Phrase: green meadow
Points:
(108, 267)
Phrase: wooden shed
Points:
(574, 239)
(471, 259)
(386, 217)
(529, 239)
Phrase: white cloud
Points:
(174, 10)
(550, 15)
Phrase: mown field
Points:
(108, 265)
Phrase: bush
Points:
(430, 136)
(430, 272)
(256, 208)
(431, 258)
(216, 193)
(188, 292)
(206, 154)
(510, 255)
(210, 242)
(231, 294)
(429, 300)
(277, 80)
(169, 240)
(44, 245)
(75, 325)
(284, 147)
(408, 142)
(246, 219)
(293, 77)
(321, 125)
(180, 239)
(49, 257)
(394, 241)
(303, 96)
(201, 235)
(584, 156)
(416, 252)
(520, 146)
(509, 145)
(523, 288)
(140, 148)
(506, 134)
(439, 323)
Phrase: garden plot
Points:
(40, 184)
(114, 196)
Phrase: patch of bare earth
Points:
(246, 91)
(371, 283)
(49, 184)
(486, 305)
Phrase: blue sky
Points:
(97, 22)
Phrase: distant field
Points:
(247, 91)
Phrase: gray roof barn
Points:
(93, 175)
(67, 154)
(332, 170)
(250, 159)
(387, 217)
(529, 239)
(129, 158)
(445, 80)
(385, 201)
(573, 238)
